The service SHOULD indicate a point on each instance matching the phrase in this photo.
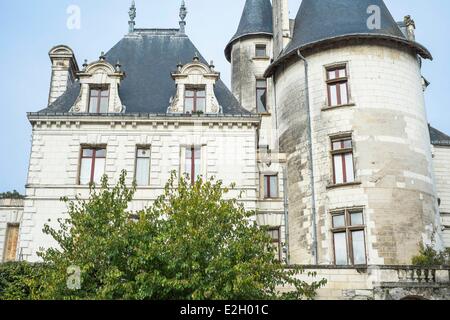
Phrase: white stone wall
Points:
(229, 154)
(11, 211)
(392, 152)
(441, 162)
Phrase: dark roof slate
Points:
(148, 56)
(439, 138)
(257, 19)
(320, 21)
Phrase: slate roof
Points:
(325, 21)
(439, 138)
(256, 19)
(148, 56)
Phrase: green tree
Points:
(190, 244)
(11, 195)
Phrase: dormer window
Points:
(194, 100)
(98, 100)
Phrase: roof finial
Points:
(183, 14)
(132, 14)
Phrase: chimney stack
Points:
(281, 26)
(64, 70)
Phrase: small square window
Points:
(261, 50)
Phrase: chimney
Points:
(410, 28)
(281, 26)
(64, 70)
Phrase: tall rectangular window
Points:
(270, 186)
(193, 162)
(11, 242)
(274, 234)
(261, 96)
(342, 153)
(92, 168)
(194, 100)
(142, 166)
(349, 237)
(337, 84)
(260, 50)
(99, 100)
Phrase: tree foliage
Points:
(11, 195)
(429, 257)
(190, 244)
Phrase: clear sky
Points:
(29, 28)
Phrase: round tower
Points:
(351, 114)
(249, 52)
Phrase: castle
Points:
(324, 132)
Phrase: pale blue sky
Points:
(29, 28)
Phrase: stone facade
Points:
(441, 162)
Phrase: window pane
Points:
(93, 104)
(95, 93)
(261, 83)
(342, 73)
(87, 153)
(105, 93)
(338, 173)
(143, 171)
(197, 152)
(261, 100)
(201, 93)
(85, 171)
(260, 51)
(347, 144)
(349, 170)
(188, 105)
(340, 248)
(266, 188)
(357, 219)
(100, 153)
(337, 145)
(104, 105)
(333, 95)
(201, 104)
(344, 93)
(143, 153)
(197, 169)
(359, 252)
(339, 221)
(99, 169)
(331, 74)
(189, 93)
(273, 186)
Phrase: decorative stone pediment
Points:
(100, 74)
(195, 76)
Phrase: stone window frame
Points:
(195, 98)
(327, 82)
(7, 234)
(276, 241)
(349, 229)
(94, 147)
(259, 46)
(102, 88)
(263, 181)
(140, 147)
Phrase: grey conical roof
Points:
(320, 21)
(256, 20)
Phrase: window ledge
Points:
(271, 199)
(342, 185)
(261, 58)
(265, 114)
(339, 106)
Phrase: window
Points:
(193, 157)
(261, 96)
(337, 83)
(274, 233)
(98, 100)
(349, 237)
(270, 186)
(194, 100)
(142, 174)
(260, 50)
(92, 165)
(11, 241)
(342, 153)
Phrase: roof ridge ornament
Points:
(132, 14)
(183, 14)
